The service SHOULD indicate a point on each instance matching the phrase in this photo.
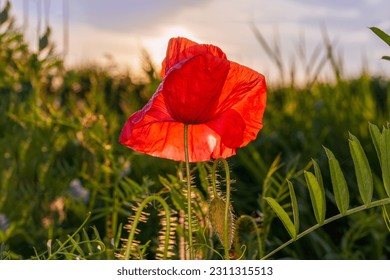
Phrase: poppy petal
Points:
(180, 49)
(166, 140)
(174, 53)
(245, 93)
(154, 111)
(192, 88)
(153, 131)
(230, 126)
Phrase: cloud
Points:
(121, 28)
(131, 15)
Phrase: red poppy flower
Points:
(222, 103)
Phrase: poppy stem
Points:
(226, 243)
(188, 175)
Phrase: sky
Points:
(119, 31)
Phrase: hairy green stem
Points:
(226, 244)
(136, 220)
(188, 175)
(377, 203)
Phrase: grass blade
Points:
(283, 216)
(294, 206)
(362, 169)
(340, 188)
(317, 196)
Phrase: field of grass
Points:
(69, 190)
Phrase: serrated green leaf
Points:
(317, 196)
(385, 37)
(294, 206)
(385, 159)
(362, 169)
(340, 188)
(376, 138)
(283, 216)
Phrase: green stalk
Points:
(188, 175)
(226, 244)
(329, 220)
(136, 220)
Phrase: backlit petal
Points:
(180, 49)
(192, 88)
(245, 93)
(166, 140)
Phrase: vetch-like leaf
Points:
(294, 206)
(283, 216)
(362, 169)
(382, 146)
(381, 34)
(376, 138)
(385, 159)
(340, 188)
(317, 172)
(317, 196)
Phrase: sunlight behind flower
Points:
(156, 45)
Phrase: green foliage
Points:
(364, 182)
(382, 147)
(67, 187)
